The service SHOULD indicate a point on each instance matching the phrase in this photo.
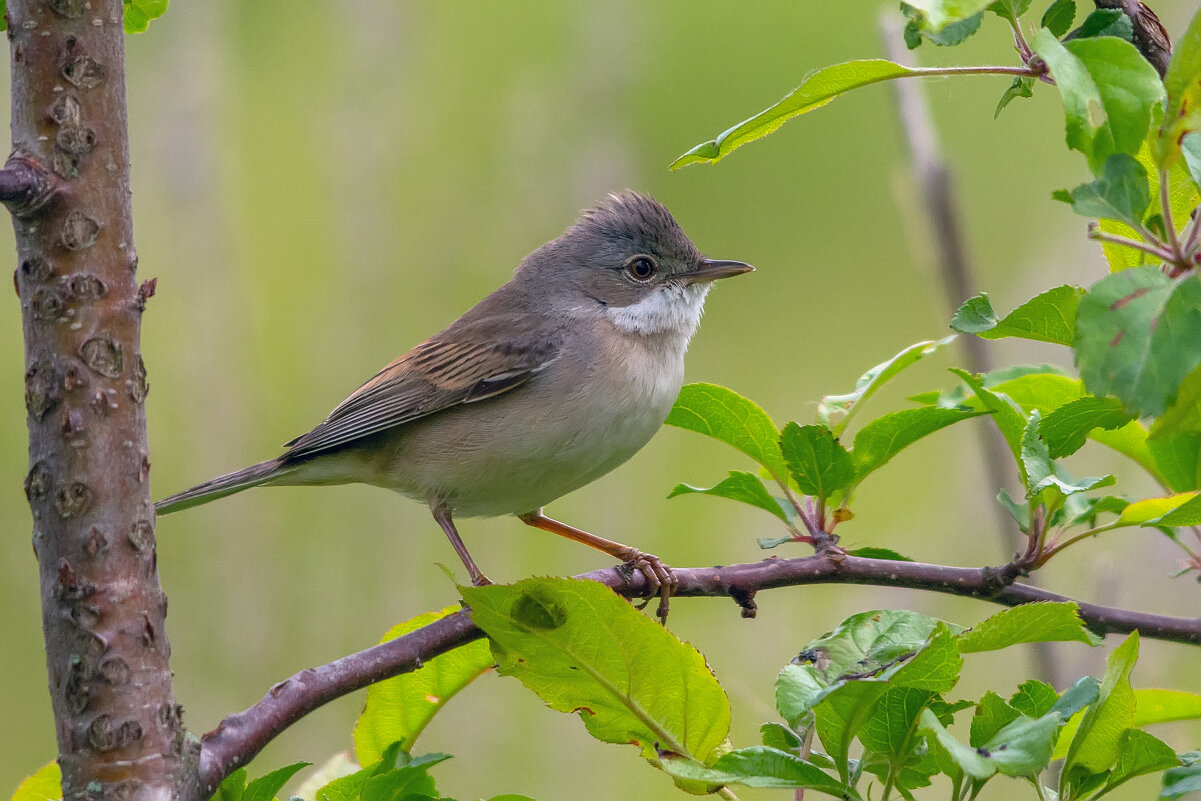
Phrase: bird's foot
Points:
(661, 578)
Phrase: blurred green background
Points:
(319, 186)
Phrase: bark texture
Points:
(119, 731)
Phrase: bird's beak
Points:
(712, 269)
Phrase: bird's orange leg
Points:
(658, 575)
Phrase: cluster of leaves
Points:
(138, 14)
(1134, 335)
(874, 693)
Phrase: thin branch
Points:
(1169, 225)
(240, 736)
(1101, 236)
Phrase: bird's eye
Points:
(641, 268)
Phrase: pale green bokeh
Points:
(318, 186)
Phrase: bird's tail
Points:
(221, 486)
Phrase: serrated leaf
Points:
(1096, 745)
(814, 92)
(1106, 22)
(883, 438)
(584, 649)
(1066, 429)
(1019, 511)
(816, 460)
(872, 380)
(723, 414)
(967, 759)
(45, 784)
(1183, 84)
(991, 715)
(1059, 16)
(1048, 317)
(408, 780)
(1046, 621)
(1121, 193)
(339, 765)
(1034, 698)
(759, 766)
(917, 29)
(266, 786)
(1083, 692)
(974, 315)
(888, 730)
(1138, 334)
(232, 786)
(1141, 753)
(1009, 420)
(398, 709)
(738, 486)
(1108, 91)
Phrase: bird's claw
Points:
(659, 576)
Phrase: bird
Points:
(545, 385)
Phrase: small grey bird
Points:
(550, 382)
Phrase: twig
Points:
(240, 736)
(1094, 232)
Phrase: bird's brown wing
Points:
(464, 364)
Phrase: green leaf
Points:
(1049, 317)
(975, 315)
(888, 730)
(1023, 747)
(1022, 86)
(1059, 16)
(1097, 743)
(398, 709)
(1183, 84)
(1149, 510)
(885, 437)
(1190, 148)
(1108, 91)
(1083, 692)
(1020, 512)
(1121, 193)
(917, 30)
(938, 14)
(814, 92)
(759, 766)
(1034, 698)
(992, 714)
(232, 786)
(1009, 9)
(266, 786)
(1009, 420)
(1066, 429)
(872, 380)
(738, 486)
(780, 737)
(46, 784)
(139, 13)
(337, 766)
(1184, 415)
(1106, 22)
(1142, 753)
(1046, 621)
(1138, 336)
(1181, 781)
(1162, 706)
(723, 414)
(584, 649)
(967, 759)
(398, 777)
(799, 688)
(1177, 460)
(1186, 514)
(816, 460)
(870, 552)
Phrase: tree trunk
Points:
(120, 735)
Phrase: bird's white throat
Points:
(671, 309)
